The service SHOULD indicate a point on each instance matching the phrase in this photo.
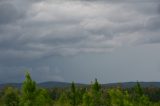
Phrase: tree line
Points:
(93, 95)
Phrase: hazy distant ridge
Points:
(52, 84)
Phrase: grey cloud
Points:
(50, 28)
(71, 27)
(45, 73)
(9, 13)
(13, 72)
(153, 23)
(49, 74)
(158, 9)
(32, 31)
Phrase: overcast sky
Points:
(79, 40)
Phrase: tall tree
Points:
(96, 86)
(96, 94)
(73, 94)
(139, 95)
(28, 91)
(138, 89)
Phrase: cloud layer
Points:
(62, 28)
(33, 30)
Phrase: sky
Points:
(80, 40)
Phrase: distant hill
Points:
(52, 84)
(132, 84)
(16, 85)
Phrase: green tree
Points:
(96, 86)
(86, 99)
(138, 89)
(73, 95)
(63, 100)
(79, 95)
(42, 98)
(11, 97)
(139, 97)
(119, 98)
(28, 91)
(96, 94)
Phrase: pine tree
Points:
(138, 89)
(139, 95)
(96, 94)
(42, 98)
(96, 86)
(28, 91)
(73, 94)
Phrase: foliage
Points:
(138, 89)
(31, 96)
(119, 98)
(73, 95)
(87, 99)
(42, 98)
(11, 97)
(94, 95)
(28, 92)
(63, 100)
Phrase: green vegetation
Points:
(93, 95)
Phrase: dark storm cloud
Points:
(34, 30)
